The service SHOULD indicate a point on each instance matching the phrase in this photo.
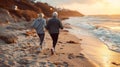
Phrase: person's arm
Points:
(33, 23)
(44, 22)
(60, 24)
(47, 24)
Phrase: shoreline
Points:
(92, 46)
(75, 47)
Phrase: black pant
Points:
(41, 36)
(54, 38)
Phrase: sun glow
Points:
(89, 7)
(114, 2)
(113, 6)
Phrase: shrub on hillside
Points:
(27, 14)
(46, 9)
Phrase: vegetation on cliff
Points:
(27, 9)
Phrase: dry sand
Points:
(69, 51)
(24, 52)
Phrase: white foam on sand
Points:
(106, 32)
(93, 48)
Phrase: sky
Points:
(88, 7)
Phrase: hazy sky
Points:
(88, 6)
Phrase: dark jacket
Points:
(53, 25)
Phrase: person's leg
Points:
(41, 36)
(55, 39)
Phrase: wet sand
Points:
(97, 51)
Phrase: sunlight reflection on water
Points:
(115, 28)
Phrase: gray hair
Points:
(41, 15)
(55, 14)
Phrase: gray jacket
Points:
(53, 25)
(39, 24)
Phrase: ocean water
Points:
(105, 28)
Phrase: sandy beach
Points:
(74, 49)
(90, 38)
(24, 52)
(69, 50)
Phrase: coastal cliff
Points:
(19, 43)
(27, 10)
